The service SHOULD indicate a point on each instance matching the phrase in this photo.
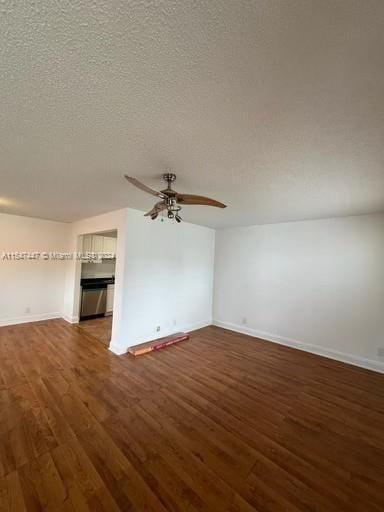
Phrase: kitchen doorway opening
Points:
(97, 284)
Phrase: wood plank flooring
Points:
(100, 328)
(222, 423)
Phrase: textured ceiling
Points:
(274, 107)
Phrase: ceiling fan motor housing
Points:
(169, 177)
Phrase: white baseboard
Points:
(196, 325)
(369, 364)
(28, 318)
(71, 319)
(118, 350)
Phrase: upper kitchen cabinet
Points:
(87, 243)
(99, 243)
(109, 244)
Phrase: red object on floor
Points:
(150, 346)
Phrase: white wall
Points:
(318, 283)
(168, 279)
(164, 276)
(36, 284)
(115, 220)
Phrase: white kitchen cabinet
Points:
(110, 296)
(92, 243)
(109, 244)
(87, 243)
(99, 243)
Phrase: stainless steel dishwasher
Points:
(94, 297)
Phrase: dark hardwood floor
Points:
(222, 422)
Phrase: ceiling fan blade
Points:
(156, 209)
(143, 187)
(192, 199)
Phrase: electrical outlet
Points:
(28, 309)
(244, 320)
(158, 328)
(380, 351)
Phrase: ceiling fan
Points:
(170, 199)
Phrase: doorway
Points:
(97, 284)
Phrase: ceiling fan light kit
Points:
(170, 199)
